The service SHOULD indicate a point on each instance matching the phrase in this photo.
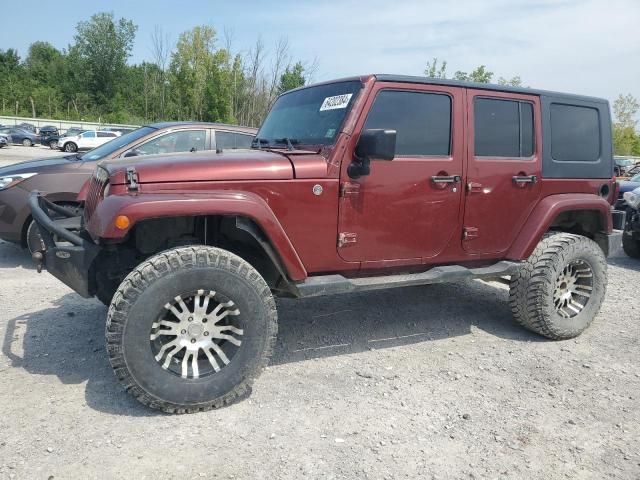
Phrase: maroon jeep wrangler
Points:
(364, 183)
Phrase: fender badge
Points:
(317, 189)
(61, 254)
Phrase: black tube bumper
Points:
(67, 256)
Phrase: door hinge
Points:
(132, 179)
(469, 233)
(349, 188)
(347, 238)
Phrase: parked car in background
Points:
(61, 179)
(27, 126)
(49, 136)
(73, 131)
(120, 130)
(20, 136)
(625, 186)
(4, 140)
(87, 140)
(621, 165)
(631, 236)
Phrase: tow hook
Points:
(38, 259)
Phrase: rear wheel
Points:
(560, 288)
(190, 329)
(70, 147)
(53, 144)
(27, 143)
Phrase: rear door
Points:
(503, 168)
(406, 209)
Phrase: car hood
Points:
(38, 165)
(212, 166)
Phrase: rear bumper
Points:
(70, 257)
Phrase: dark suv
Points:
(49, 136)
(366, 183)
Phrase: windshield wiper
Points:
(258, 142)
(288, 142)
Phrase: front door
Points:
(503, 168)
(406, 209)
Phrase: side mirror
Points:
(131, 153)
(374, 144)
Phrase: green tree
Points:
(626, 140)
(293, 77)
(435, 71)
(512, 82)
(103, 45)
(479, 75)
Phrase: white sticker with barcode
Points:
(334, 103)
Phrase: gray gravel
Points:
(18, 153)
(423, 382)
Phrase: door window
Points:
(422, 121)
(182, 141)
(502, 128)
(89, 135)
(231, 140)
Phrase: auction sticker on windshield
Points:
(336, 102)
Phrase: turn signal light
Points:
(122, 222)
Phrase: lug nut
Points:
(191, 319)
(206, 334)
(183, 332)
(204, 320)
(193, 340)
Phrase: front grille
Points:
(95, 193)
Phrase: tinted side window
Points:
(502, 128)
(105, 134)
(182, 141)
(422, 121)
(575, 133)
(89, 135)
(231, 140)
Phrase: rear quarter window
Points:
(575, 133)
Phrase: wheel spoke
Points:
(212, 360)
(164, 348)
(229, 338)
(220, 353)
(170, 355)
(232, 329)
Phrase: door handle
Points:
(445, 178)
(524, 179)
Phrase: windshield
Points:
(115, 144)
(311, 116)
(635, 178)
(624, 162)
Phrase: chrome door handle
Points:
(525, 179)
(445, 178)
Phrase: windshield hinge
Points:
(132, 179)
(349, 189)
(347, 238)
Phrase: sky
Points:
(589, 47)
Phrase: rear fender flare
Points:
(543, 215)
(223, 202)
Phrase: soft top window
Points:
(575, 133)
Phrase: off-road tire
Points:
(153, 283)
(631, 245)
(532, 288)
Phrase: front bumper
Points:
(67, 257)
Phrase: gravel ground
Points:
(17, 153)
(422, 382)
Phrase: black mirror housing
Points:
(373, 144)
(131, 153)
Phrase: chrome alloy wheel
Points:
(196, 336)
(573, 289)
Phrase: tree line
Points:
(198, 77)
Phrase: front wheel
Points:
(70, 147)
(190, 329)
(53, 144)
(560, 288)
(27, 143)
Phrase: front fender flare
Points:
(170, 204)
(547, 210)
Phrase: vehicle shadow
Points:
(12, 255)
(67, 340)
(624, 261)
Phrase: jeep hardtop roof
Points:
(384, 77)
